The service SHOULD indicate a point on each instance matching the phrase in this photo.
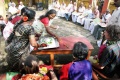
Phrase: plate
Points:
(49, 41)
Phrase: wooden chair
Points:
(103, 77)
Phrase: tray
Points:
(50, 41)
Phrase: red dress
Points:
(45, 21)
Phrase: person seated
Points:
(95, 15)
(69, 10)
(56, 5)
(12, 9)
(20, 6)
(9, 27)
(61, 12)
(105, 18)
(80, 68)
(108, 56)
(86, 14)
(30, 69)
(75, 14)
(98, 29)
(10, 3)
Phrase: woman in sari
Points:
(18, 47)
(45, 19)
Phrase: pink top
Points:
(45, 21)
(8, 30)
(15, 19)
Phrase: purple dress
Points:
(80, 70)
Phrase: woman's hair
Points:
(52, 11)
(30, 65)
(28, 12)
(114, 32)
(0, 16)
(80, 51)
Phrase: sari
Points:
(19, 48)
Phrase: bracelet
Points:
(51, 70)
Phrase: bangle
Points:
(51, 70)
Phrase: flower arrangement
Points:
(42, 75)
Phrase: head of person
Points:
(81, 4)
(1, 17)
(117, 3)
(80, 51)
(11, 1)
(63, 2)
(112, 32)
(30, 65)
(96, 8)
(107, 11)
(13, 4)
(50, 14)
(75, 3)
(89, 7)
(27, 14)
(71, 2)
(21, 3)
(9, 16)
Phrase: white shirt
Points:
(10, 3)
(12, 9)
(115, 18)
(20, 7)
(70, 7)
(2, 22)
(106, 17)
(81, 9)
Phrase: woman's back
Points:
(21, 38)
(80, 70)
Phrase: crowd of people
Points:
(22, 31)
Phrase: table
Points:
(66, 45)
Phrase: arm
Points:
(53, 76)
(104, 59)
(52, 26)
(33, 41)
(32, 38)
(98, 66)
(52, 34)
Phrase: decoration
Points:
(25, 18)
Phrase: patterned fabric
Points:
(18, 49)
(110, 58)
(80, 70)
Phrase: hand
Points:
(95, 57)
(35, 49)
(58, 39)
